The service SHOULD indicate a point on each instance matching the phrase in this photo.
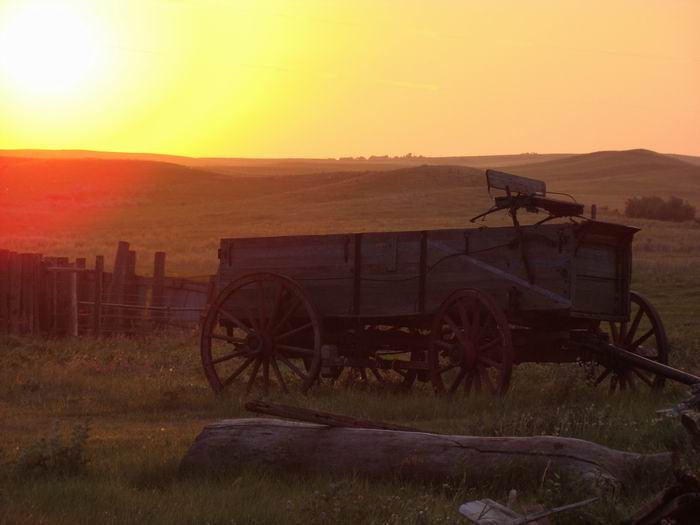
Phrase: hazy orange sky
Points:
(312, 78)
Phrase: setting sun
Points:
(49, 49)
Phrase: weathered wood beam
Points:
(304, 447)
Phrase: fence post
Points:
(62, 298)
(72, 328)
(15, 295)
(97, 311)
(4, 291)
(116, 287)
(158, 287)
(594, 211)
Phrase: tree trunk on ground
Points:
(304, 447)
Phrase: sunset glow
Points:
(319, 78)
(49, 50)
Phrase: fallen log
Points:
(304, 447)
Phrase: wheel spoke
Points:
(287, 315)
(253, 375)
(445, 368)
(294, 331)
(489, 345)
(476, 320)
(489, 362)
(460, 376)
(293, 367)
(266, 376)
(228, 339)
(602, 376)
(468, 383)
(477, 381)
(643, 338)
(238, 371)
(634, 326)
(296, 349)
(278, 374)
(261, 305)
(614, 332)
(232, 355)
(487, 379)
(643, 377)
(279, 297)
(235, 321)
(463, 317)
(363, 374)
(254, 320)
(455, 329)
(376, 374)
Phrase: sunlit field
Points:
(146, 400)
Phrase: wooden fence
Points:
(54, 296)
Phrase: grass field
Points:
(146, 400)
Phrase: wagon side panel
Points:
(491, 260)
(322, 265)
(603, 271)
(390, 273)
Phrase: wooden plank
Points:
(37, 288)
(117, 286)
(97, 299)
(72, 295)
(27, 298)
(158, 287)
(62, 298)
(4, 291)
(514, 183)
(81, 294)
(15, 293)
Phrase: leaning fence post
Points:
(97, 311)
(116, 287)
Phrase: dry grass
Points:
(146, 400)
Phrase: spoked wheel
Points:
(643, 335)
(394, 376)
(470, 346)
(262, 330)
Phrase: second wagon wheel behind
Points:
(262, 330)
(644, 335)
(471, 345)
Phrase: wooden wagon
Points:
(457, 308)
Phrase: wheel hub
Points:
(255, 343)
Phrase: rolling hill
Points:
(83, 206)
(609, 178)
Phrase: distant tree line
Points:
(673, 209)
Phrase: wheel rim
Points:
(262, 330)
(644, 335)
(470, 346)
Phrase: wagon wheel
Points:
(380, 365)
(645, 336)
(397, 377)
(262, 326)
(470, 345)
